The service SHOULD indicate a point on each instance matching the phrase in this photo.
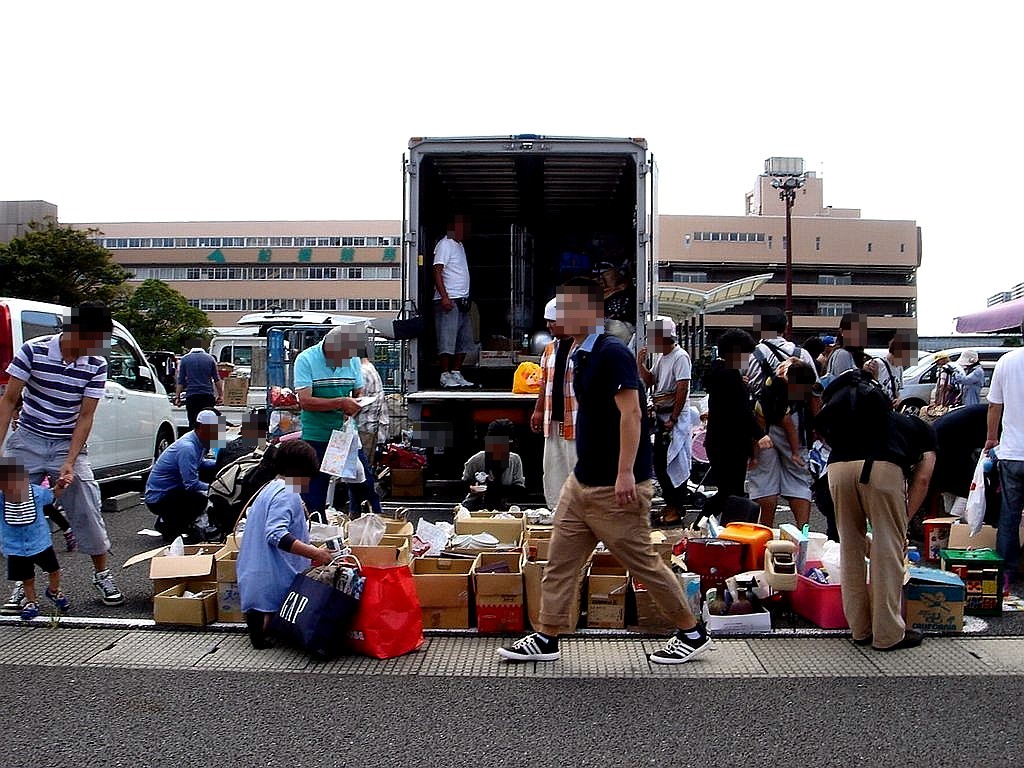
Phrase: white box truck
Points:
(540, 209)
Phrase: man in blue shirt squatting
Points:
(174, 491)
(328, 378)
(607, 497)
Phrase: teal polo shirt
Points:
(312, 371)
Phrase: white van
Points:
(133, 423)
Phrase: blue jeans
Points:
(1011, 477)
(316, 496)
(365, 491)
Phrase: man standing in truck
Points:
(452, 304)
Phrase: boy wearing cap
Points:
(174, 491)
(554, 415)
(60, 380)
(669, 379)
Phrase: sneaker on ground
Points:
(108, 590)
(12, 606)
(60, 600)
(460, 380)
(533, 647)
(29, 611)
(680, 649)
(70, 542)
(448, 381)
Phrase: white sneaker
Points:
(448, 381)
(460, 380)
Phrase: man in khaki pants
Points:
(608, 496)
(877, 490)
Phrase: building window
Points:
(689, 277)
(903, 247)
(834, 308)
(769, 242)
(869, 247)
(817, 243)
(835, 280)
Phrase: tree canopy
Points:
(57, 264)
(161, 318)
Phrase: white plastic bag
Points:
(975, 513)
(831, 562)
(366, 531)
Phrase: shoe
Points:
(460, 380)
(533, 647)
(60, 600)
(12, 607)
(864, 641)
(911, 639)
(29, 611)
(70, 542)
(680, 649)
(108, 590)
(448, 381)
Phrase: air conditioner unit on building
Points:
(784, 166)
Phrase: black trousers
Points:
(674, 497)
(178, 510)
(729, 470)
(196, 403)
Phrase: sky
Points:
(129, 111)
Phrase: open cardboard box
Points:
(169, 607)
(508, 532)
(383, 556)
(499, 596)
(960, 537)
(744, 624)
(607, 588)
(226, 564)
(443, 587)
(165, 570)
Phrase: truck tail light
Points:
(6, 343)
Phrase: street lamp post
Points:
(788, 177)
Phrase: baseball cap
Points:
(549, 310)
(208, 417)
(828, 341)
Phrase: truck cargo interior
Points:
(534, 221)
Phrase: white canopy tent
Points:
(680, 302)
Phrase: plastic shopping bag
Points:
(975, 512)
(341, 459)
(389, 621)
(527, 378)
(366, 531)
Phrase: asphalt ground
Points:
(134, 582)
(70, 716)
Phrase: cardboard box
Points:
(398, 528)
(508, 532)
(607, 588)
(226, 564)
(533, 577)
(499, 596)
(236, 391)
(982, 574)
(490, 358)
(442, 585)
(648, 616)
(744, 624)
(934, 601)
(407, 483)
(662, 545)
(169, 607)
(197, 564)
(383, 556)
(936, 536)
(229, 602)
(960, 537)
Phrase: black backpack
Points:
(774, 395)
(855, 416)
(236, 482)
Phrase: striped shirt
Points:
(54, 389)
(547, 364)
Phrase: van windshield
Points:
(34, 324)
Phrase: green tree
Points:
(161, 318)
(55, 263)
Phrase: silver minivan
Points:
(919, 380)
(133, 423)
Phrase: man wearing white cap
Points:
(174, 491)
(970, 377)
(555, 413)
(669, 379)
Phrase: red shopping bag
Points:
(388, 622)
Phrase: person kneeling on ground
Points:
(174, 491)
(26, 540)
(495, 474)
(275, 545)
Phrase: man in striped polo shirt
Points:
(60, 380)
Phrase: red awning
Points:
(1001, 317)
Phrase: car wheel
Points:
(911, 408)
(163, 442)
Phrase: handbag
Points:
(389, 621)
(409, 323)
(319, 608)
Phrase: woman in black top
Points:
(732, 429)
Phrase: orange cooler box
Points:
(754, 539)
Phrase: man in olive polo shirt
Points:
(328, 378)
